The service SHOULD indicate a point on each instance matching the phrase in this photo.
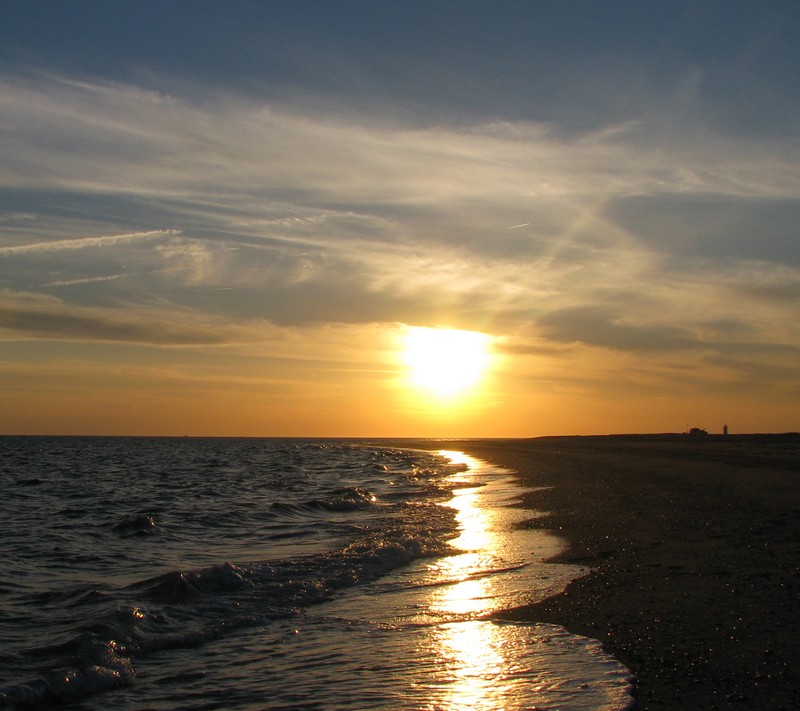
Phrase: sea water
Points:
(192, 573)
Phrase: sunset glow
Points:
(245, 211)
(445, 361)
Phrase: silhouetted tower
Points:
(724, 429)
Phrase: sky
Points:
(228, 218)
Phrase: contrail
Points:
(88, 280)
(84, 242)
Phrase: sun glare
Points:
(445, 361)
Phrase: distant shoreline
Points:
(621, 437)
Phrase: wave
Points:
(82, 624)
(141, 524)
(92, 662)
(339, 500)
(181, 609)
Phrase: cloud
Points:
(86, 243)
(715, 226)
(737, 356)
(595, 326)
(88, 280)
(106, 137)
(29, 316)
(296, 217)
(247, 342)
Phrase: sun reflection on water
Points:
(469, 592)
(473, 656)
(471, 649)
(429, 625)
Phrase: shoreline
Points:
(694, 546)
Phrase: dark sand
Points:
(695, 549)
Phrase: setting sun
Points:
(445, 361)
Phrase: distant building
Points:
(724, 429)
(697, 432)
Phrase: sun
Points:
(444, 361)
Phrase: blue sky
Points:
(233, 202)
(578, 64)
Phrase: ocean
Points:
(188, 573)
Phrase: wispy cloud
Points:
(111, 137)
(86, 242)
(88, 280)
(41, 317)
(627, 238)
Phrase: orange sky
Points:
(364, 391)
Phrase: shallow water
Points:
(277, 574)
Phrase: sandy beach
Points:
(694, 544)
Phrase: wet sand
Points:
(695, 549)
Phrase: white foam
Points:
(436, 613)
